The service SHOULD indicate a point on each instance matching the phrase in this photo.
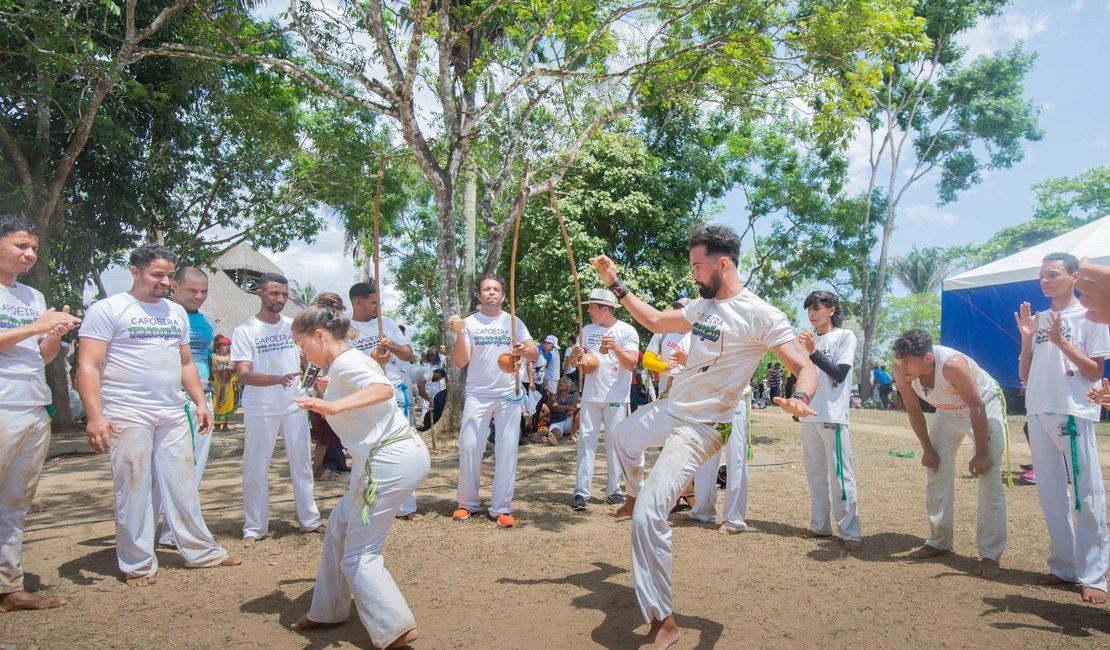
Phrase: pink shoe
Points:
(1029, 477)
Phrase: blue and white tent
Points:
(977, 307)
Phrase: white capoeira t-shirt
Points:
(1055, 385)
(361, 429)
(727, 341)
(271, 351)
(22, 372)
(142, 367)
(830, 401)
(611, 382)
(368, 339)
(944, 395)
(488, 337)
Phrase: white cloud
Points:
(1077, 5)
(1048, 106)
(927, 213)
(1001, 32)
(1102, 142)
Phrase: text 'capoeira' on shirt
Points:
(488, 337)
(727, 341)
(611, 382)
(271, 351)
(142, 367)
(1056, 385)
(22, 375)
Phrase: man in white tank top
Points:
(967, 400)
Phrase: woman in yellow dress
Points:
(224, 384)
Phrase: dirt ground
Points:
(562, 579)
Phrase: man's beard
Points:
(710, 289)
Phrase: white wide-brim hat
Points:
(603, 297)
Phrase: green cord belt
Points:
(748, 425)
(840, 465)
(1073, 433)
(1006, 432)
(370, 492)
(192, 432)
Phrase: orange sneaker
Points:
(505, 520)
(461, 513)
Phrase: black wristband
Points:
(618, 289)
(802, 395)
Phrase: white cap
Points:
(550, 338)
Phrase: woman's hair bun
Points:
(330, 300)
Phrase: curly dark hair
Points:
(913, 343)
(718, 240)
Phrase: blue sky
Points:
(1070, 81)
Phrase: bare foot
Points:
(626, 509)
(141, 581)
(319, 530)
(852, 545)
(1095, 596)
(17, 600)
(412, 516)
(927, 551)
(809, 534)
(231, 560)
(663, 634)
(1051, 579)
(304, 623)
(725, 529)
(404, 639)
(987, 568)
(248, 541)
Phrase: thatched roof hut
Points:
(231, 283)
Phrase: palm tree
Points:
(306, 293)
(922, 270)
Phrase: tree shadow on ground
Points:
(618, 603)
(1069, 619)
(289, 610)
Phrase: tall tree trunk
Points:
(39, 277)
(470, 232)
(447, 269)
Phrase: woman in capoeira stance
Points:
(731, 329)
(390, 462)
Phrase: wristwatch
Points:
(802, 395)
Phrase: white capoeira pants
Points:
(1080, 552)
(686, 447)
(351, 564)
(153, 448)
(828, 488)
(476, 416)
(24, 439)
(202, 444)
(736, 483)
(946, 433)
(259, 438)
(594, 415)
